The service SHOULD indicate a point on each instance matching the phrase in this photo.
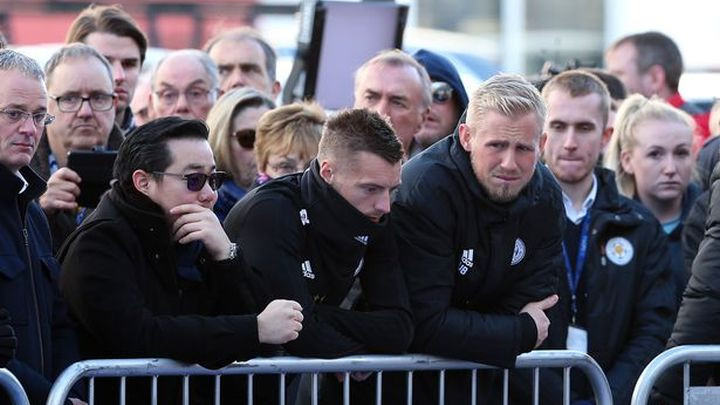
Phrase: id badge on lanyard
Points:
(577, 337)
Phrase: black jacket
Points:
(693, 230)
(471, 264)
(28, 288)
(698, 315)
(626, 303)
(305, 242)
(62, 223)
(681, 272)
(121, 281)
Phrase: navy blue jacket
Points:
(625, 298)
(28, 287)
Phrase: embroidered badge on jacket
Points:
(619, 250)
(518, 252)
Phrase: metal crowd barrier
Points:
(293, 365)
(679, 355)
(14, 389)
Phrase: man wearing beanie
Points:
(448, 94)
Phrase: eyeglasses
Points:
(169, 97)
(441, 92)
(196, 181)
(73, 102)
(245, 137)
(13, 116)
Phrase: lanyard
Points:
(573, 275)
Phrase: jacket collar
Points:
(329, 212)
(12, 183)
(608, 197)
(141, 212)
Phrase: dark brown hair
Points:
(111, 19)
(359, 130)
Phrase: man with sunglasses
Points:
(28, 290)
(448, 94)
(80, 88)
(151, 273)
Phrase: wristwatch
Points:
(232, 254)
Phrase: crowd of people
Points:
(576, 212)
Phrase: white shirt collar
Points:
(577, 216)
(25, 183)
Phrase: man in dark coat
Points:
(617, 294)
(323, 238)
(82, 100)
(46, 343)
(479, 225)
(151, 273)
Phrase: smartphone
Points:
(95, 168)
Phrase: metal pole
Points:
(14, 389)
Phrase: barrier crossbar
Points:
(14, 389)
(367, 363)
(677, 355)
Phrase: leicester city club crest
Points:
(518, 252)
(619, 251)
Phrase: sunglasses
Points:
(196, 181)
(441, 92)
(245, 137)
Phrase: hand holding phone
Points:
(95, 169)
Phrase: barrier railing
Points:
(11, 385)
(292, 365)
(672, 357)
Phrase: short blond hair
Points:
(291, 128)
(635, 110)
(220, 120)
(508, 94)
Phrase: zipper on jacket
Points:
(35, 301)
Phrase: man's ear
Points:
(141, 181)
(543, 141)
(326, 171)
(656, 76)
(424, 116)
(276, 88)
(606, 135)
(151, 107)
(465, 136)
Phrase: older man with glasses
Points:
(80, 88)
(184, 84)
(449, 98)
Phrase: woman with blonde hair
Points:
(232, 122)
(287, 139)
(651, 153)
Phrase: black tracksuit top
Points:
(471, 264)
(305, 242)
